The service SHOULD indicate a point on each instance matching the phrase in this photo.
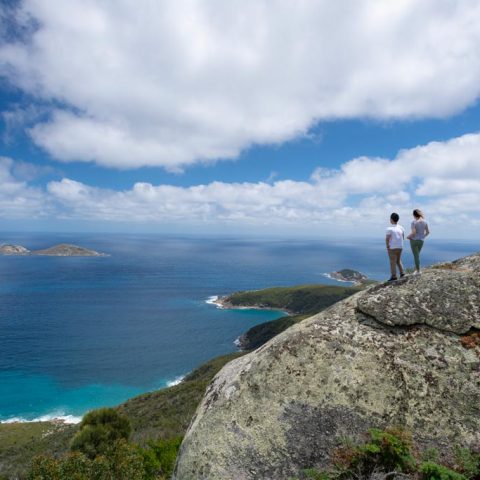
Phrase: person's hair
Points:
(395, 217)
(417, 213)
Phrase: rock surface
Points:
(289, 404)
(13, 250)
(446, 297)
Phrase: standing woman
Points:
(419, 232)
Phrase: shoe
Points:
(417, 272)
(402, 275)
(392, 279)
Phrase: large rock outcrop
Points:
(385, 356)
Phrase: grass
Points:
(20, 442)
(167, 413)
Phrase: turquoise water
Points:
(79, 333)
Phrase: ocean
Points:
(78, 333)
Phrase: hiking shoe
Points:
(392, 279)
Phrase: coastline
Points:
(53, 418)
(62, 418)
(222, 303)
(354, 283)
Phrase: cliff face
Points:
(390, 355)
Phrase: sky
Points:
(310, 117)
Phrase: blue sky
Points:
(315, 117)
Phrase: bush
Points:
(434, 471)
(165, 453)
(100, 429)
(468, 462)
(122, 461)
(44, 468)
(387, 450)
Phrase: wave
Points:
(213, 300)
(328, 275)
(175, 381)
(49, 417)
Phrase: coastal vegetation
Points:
(157, 422)
(304, 299)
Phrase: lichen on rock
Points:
(445, 298)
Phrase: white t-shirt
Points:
(396, 234)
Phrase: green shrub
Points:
(165, 453)
(44, 468)
(468, 462)
(74, 466)
(99, 429)
(430, 455)
(125, 461)
(386, 450)
(434, 471)
(122, 461)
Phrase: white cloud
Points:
(442, 178)
(17, 198)
(173, 83)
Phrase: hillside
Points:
(163, 414)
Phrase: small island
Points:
(13, 250)
(61, 250)
(348, 275)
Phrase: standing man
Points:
(394, 241)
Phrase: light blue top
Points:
(420, 227)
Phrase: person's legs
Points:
(393, 262)
(416, 246)
(399, 261)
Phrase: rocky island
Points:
(66, 250)
(61, 250)
(348, 275)
(13, 250)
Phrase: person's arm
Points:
(427, 230)
(412, 233)
(387, 241)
